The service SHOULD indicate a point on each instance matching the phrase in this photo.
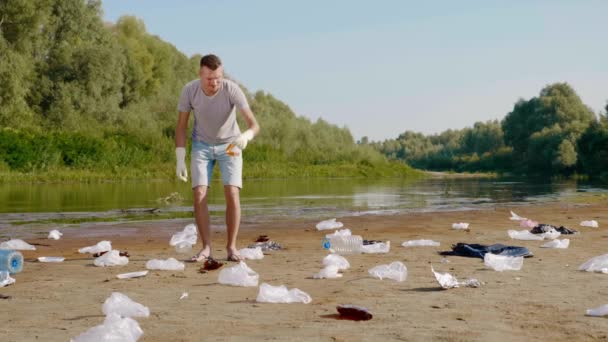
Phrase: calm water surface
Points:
(309, 198)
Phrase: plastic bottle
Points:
(11, 261)
(344, 244)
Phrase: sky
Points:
(383, 67)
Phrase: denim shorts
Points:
(204, 157)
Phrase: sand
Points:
(545, 300)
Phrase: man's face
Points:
(211, 79)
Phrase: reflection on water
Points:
(281, 198)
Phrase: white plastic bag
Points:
(336, 260)
(113, 329)
(378, 247)
(102, 246)
(252, 253)
(445, 280)
(329, 224)
(238, 275)
(5, 279)
(599, 311)
(592, 224)
(170, 264)
(280, 294)
(17, 244)
(421, 242)
(552, 234)
(503, 263)
(596, 264)
(557, 243)
(395, 270)
(184, 240)
(55, 234)
(124, 306)
(111, 258)
(460, 225)
(524, 235)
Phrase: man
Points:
(216, 137)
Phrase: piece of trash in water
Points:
(262, 238)
(51, 259)
(354, 312)
(599, 311)
(460, 225)
(184, 295)
(329, 224)
(591, 223)
(55, 234)
(131, 275)
(515, 217)
(210, 265)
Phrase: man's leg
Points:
(201, 216)
(233, 219)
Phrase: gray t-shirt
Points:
(214, 116)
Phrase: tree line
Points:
(553, 134)
(82, 95)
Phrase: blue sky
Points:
(383, 67)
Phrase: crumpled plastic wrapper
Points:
(17, 244)
(280, 294)
(329, 224)
(111, 258)
(239, 275)
(55, 234)
(102, 246)
(121, 304)
(170, 264)
(395, 270)
(252, 253)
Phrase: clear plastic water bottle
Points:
(352, 244)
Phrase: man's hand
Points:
(243, 139)
(181, 170)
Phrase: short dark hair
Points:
(211, 61)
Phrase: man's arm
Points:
(252, 123)
(180, 129)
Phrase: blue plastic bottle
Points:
(11, 261)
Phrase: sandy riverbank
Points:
(546, 300)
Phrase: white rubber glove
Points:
(243, 139)
(181, 170)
